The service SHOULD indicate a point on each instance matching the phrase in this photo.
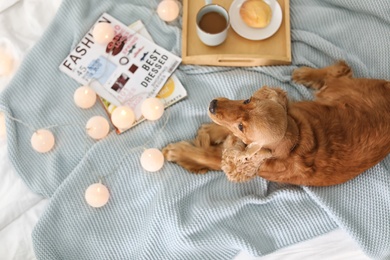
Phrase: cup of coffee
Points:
(212, 24)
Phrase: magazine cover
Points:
(126, 71)
(171, 92)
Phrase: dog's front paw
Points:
(184, 154)
(262, 155)
(233, 144)
(210, 134)
(174, 152)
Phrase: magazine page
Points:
(126, 71)
(171, 92)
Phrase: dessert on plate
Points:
(256, 13)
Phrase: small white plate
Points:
(250, 33)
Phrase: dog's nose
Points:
(213, 105)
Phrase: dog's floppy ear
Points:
(275, 94)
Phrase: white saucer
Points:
(250, 33)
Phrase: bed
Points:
(22, 206)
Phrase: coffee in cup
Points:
(212, 24)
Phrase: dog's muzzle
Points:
(213, 106)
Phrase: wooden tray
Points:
(236, 50)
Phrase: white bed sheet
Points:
(22, 22)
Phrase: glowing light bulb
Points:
(6, 63)
(152, 160)
(152, 108)
(168, 10)
(42, 140)
(103, 33)
(97, 195)
(97, 127)
(84, 97)
(123, 117)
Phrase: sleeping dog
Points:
(328, 141)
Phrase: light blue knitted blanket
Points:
(172, 214)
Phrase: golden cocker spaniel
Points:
(328, 141)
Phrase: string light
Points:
(103, 33)
(84, 97)
(152, 108)
(42, 140)
(152, 160)
(168, 10)
(123, 117)
(97, 195)
(97, 127)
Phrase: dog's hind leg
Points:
(317, 78)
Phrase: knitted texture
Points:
(172, 214)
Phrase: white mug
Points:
(212, 39)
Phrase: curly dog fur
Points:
(328, 141)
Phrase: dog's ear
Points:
(275, 94)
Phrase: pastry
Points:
(256, 13)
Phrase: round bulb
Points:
(97, 127)
(123, 117)
(168, 10)
(97, 195)
(152, 108)
(42, 140)
(103, 33)
(84, 97)
(6, 63)
(152, 160)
